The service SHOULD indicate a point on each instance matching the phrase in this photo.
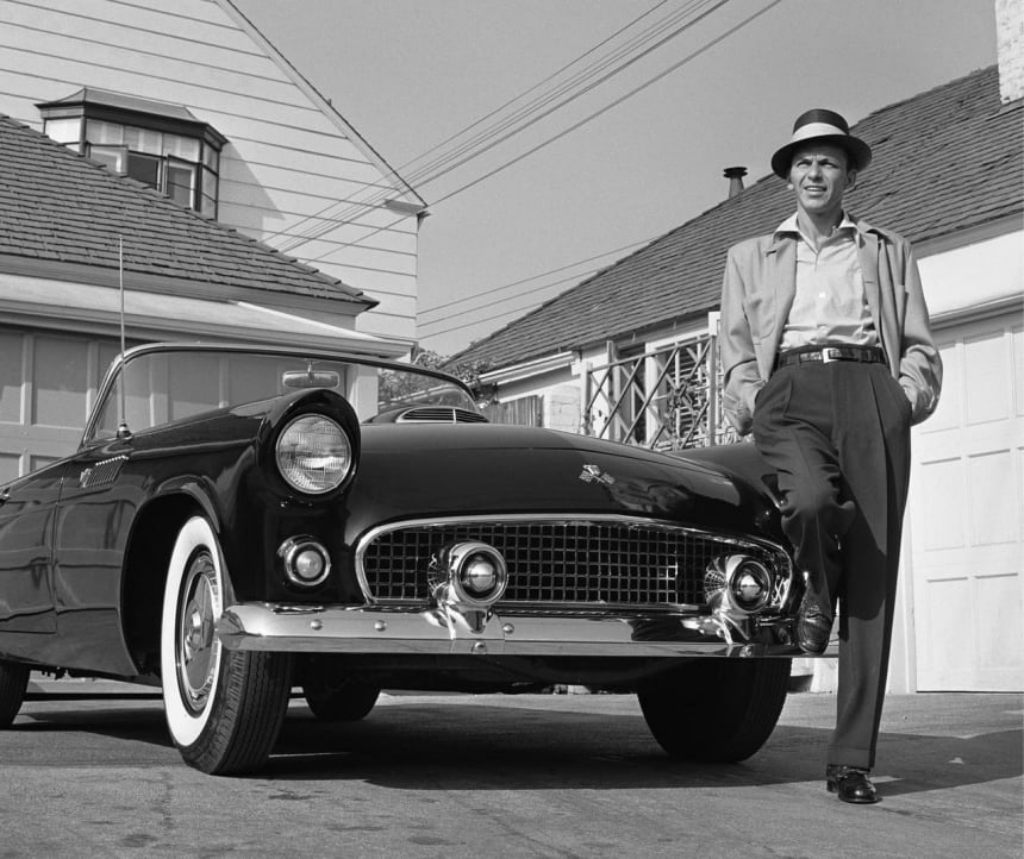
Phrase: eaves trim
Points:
(529, 369)
(80, 273)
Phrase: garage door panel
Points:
(949, 412)
(995, 517)
(987, 378)
(942, 483)
(947, 643)
(966, 515)
(1018, 369)
(998, 599)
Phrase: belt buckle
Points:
(830, 354)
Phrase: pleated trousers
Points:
(838, 436)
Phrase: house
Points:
(629, 354)
(169, 148)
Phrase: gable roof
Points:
(944, 161)
(62, 215)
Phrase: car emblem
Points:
(591, 473)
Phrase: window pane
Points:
(10, 377)
(186, 148)
(211, 157)
(144, 168)
(112, 156)
(180, 183)
(208, 200)
(97, 131)
(144, 140)
(68, 130)
(60, 369)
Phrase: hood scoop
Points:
(439, 414)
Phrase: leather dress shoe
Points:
(813, 628)
(851, 783)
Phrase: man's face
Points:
(820, 176)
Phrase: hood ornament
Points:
(591, 473)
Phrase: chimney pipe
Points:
(735, 176)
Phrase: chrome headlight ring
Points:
(314, 454)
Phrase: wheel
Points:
(13, 682)
(341, 701)
(716, 710)
(224, 708)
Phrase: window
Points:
(161, 145)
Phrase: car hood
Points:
(429, 471)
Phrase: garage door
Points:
(966, 514)
(47, 384)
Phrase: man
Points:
(828, 360)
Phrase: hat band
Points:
(817, 129)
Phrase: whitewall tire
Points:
(224, 708)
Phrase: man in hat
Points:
(829, 360)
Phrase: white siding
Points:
(289, 157)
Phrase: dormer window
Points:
(162, 145)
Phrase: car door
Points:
(96, 509)
(27, 517)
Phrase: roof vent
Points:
(735, 176)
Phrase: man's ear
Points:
(851, 179)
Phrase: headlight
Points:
(314, 455)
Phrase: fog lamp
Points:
(306, 562)
(743, 582)
(476, 573)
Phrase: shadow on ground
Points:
(448, 746)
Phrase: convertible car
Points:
(242, 524)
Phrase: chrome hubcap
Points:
(198, 647)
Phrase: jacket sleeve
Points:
(920, 365)
(739, 362)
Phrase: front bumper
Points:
(376, 630)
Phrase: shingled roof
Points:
(60, 211)
(945, 160)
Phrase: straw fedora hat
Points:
(825, 126)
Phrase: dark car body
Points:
(237, 522)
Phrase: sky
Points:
(621, 164)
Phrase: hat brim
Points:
(858, 152)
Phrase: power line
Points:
(609, 106)
(536, 86)
(574, 127)
(528, 279)
(432, 171)
(483, 147)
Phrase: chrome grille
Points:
(595, 562)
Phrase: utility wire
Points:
(432, 171)
(292, 243)
(438, 307)
(579, 124)
(606, 108)
(536, 86)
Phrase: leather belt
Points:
(828, 354)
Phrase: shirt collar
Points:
(791, 227)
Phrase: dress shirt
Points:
(830, 305)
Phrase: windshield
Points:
(165, 386)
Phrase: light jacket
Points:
(757, 294)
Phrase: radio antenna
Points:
(122, 424)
